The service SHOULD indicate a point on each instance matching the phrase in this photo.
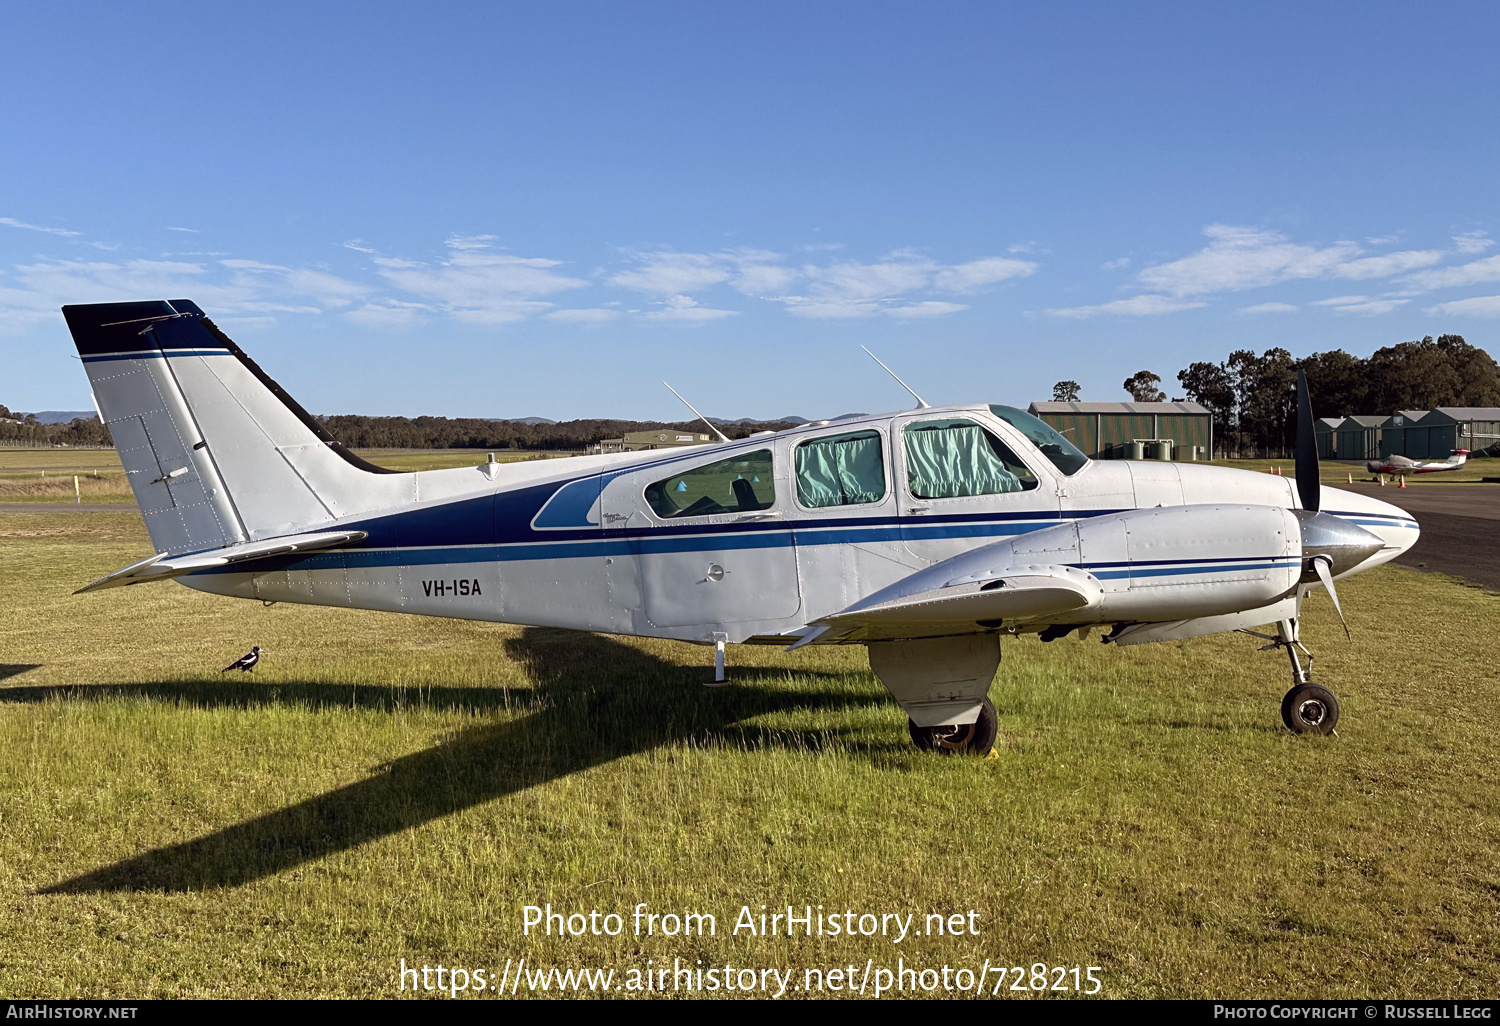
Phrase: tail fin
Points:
(216, 452)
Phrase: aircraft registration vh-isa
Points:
(924, 535)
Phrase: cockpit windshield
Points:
(1065, 456)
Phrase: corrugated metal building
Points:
(1358, 438)
(1438, 432)
(1399, 435)
(1325, 429)
(1106, 430)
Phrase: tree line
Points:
(1254, 402)
(360, 432)
(1252, 398)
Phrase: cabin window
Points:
(951, 458)
(840, 470)
(1065, 456)
(740, 484)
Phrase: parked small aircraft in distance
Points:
(923, 535)
(1404, 465)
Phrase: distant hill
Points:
(750, 420)
(533, 421)
(63, 416)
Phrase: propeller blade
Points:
(1320, 564)
(1308, 486)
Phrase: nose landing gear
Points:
(1307, 708)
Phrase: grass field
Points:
(390, 787)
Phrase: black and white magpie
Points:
(245, 662)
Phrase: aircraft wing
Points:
(163, 566)
(963, 605)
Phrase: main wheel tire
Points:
(1310, 709)
(975, 738)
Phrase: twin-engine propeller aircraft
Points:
(923, 535)
(1407, 465)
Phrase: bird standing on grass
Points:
(245, 662)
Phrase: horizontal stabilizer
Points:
(162, 566)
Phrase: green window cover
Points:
(950, 458)
(740, 484)
(840, 470)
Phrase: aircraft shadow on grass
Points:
(600, 700)
(8, 670)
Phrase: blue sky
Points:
(545, 209)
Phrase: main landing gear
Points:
(976, 738)
(1307, 708)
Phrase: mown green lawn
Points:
(388, 787)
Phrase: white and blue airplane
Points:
(924, 535)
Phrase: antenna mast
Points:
(696, 413)
(922, 404)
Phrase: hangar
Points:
(1183, 431)
(1358, 438)
(1433, 434)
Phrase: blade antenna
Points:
(922, 404)
(696, 413)
(1308, 487)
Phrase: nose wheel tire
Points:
(975, 738)
(1310, 709)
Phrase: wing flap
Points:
(162, 566)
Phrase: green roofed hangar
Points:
(1114, 431)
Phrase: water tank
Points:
(1160, 450)
(1137, 451)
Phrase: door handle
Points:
(918, 509)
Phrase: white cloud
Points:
(38, 228)
(1472, 273)
(978, 273)
(1115, 265)
(758, 278)
(686, 310)
(1261, 308)
(589, 316)
(1243, 258)
(41, 288)
(1388, 264)
(1478, 306)
(1473, 242)
(668, 273)
(843, 289)
(193, 230)
(931, 308)
(325, 288)
(1361, 304)
(1136, 306)
(479, 285)
(359, 246)
(462, 242)
(1239, 257)
(387, 315)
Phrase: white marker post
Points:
(77, 494)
